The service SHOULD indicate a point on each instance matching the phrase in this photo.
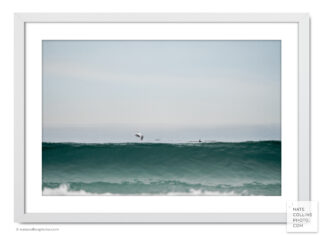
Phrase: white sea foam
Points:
(64, 190)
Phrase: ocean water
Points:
(214, 168)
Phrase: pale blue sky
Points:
(103, 91)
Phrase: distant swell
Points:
(245, 169)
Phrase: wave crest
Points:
(64, 190)
(173, 188)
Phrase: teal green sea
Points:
(214, 168)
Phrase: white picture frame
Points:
(21, 19)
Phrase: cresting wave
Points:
(245, 169)
(101, 188)
(64, 190)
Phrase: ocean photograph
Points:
(161, 118)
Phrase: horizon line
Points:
(160, 142)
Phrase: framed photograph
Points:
(160, 118)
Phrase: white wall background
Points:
(7, 8)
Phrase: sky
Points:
(106, 91)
